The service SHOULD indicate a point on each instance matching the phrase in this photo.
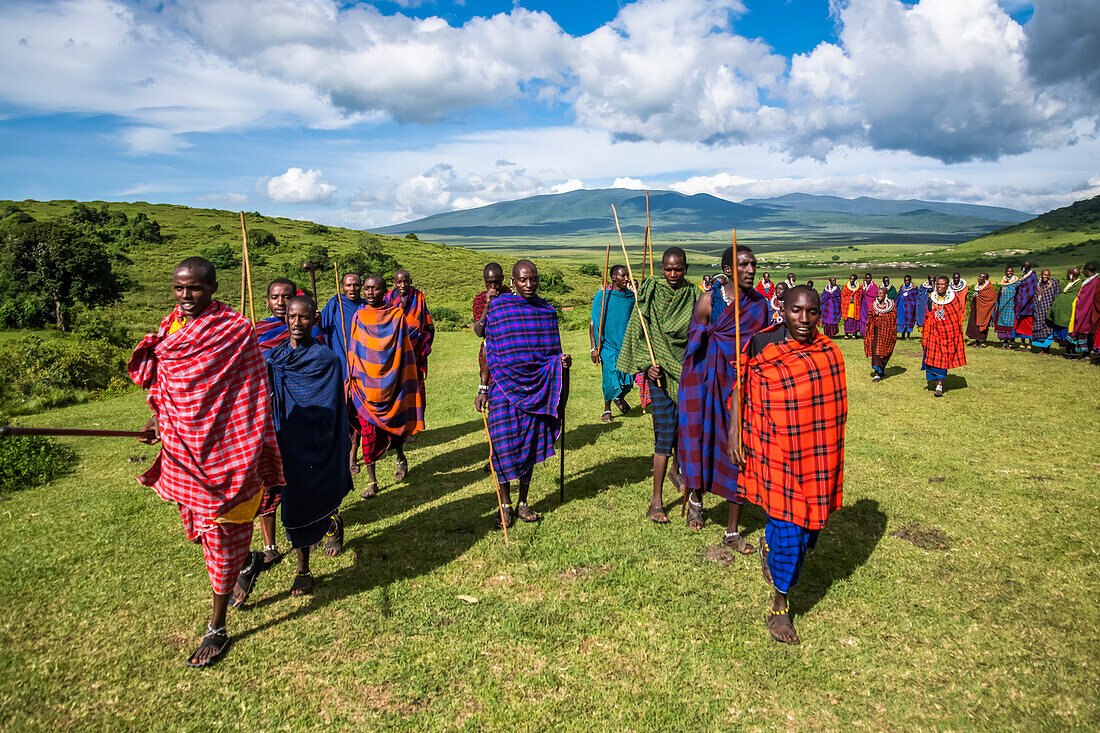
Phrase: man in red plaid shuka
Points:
(942, 336)
(208, 392)
(795, 407)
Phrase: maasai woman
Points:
(1042, 334)
(881, 335)
(870, 292)
(982, 306)
(1061, 313)
(850, 298)
(907, 307)
(830, 308)
(775, 303)
(942, 336)
(1005, 312)
(612, 328)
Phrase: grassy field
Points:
(955, 590)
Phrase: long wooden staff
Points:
(247, 270)
(630, 274)
(561, 470)
(737, 335)
(493, 473)
(77, 432)
(603, 308)
(648, 238)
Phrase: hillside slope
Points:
(1070, 229)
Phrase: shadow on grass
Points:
(894, 371)
(852, 535)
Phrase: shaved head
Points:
(522, 264)
(201, 268)
(493, 271)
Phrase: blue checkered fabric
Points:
(786, 546)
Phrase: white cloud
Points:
(299, 187)
(227, 198)
(627, 182)
(573, 184)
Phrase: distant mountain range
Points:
(794, 216)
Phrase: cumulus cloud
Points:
(299, 187)
(1063, 46)
(627, 182)
(224, 198)
(573, 184)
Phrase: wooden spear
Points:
(493, 474)
(247, 270)
(77, 432)
(648, 238)
(630, 274)
(561, 470)
(603, 308)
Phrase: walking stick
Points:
(561, 470)
(648, 235)
(492, 470)
(77, 432)
(737, 336)
(603, 308)
(247, 271)
(630, 274)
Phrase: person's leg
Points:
(225, 550)
(402, 462)
(505, 489)
(656, 501)
(733, 537)
(781, 555)
(303, 578)
(522, 510)
(606, 416)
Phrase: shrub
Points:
(447, 319)
(589, 269)
(552, 282)
(222, 256)
(370, 261)
(96, 326)
(36, 373)
(412, 237)
(259, 238)
(317, 229)
(28, 461)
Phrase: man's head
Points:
(886, 281)
(746, 266)
(193, 285)
(1009, 272)
(402, 282)
(781, 290)
(374, 290)
(810, 284)
(1088, 269)
(983, 277)
(955, 277)
(908, 279)
(852, 278)
(801, 311)
(1025, 266)
(674, 266)
(1044, 276)
(767, 278)
(882, 293)
(351, 284)
(941, 285)
(931, 279)
(832, 281)
(1073, 273)
(279, 293)
(493, 275)
(525, 279)
(620, 278)
(301, 316)
(867, 278)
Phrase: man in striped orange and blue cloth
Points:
(383, 382)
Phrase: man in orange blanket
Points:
(795, 406)
(208, 392)
(418, 319)
(942, 336)
(383, 382)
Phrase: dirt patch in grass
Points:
(382, 698)
(585, 571)
(178, 640)
(926, 538)
(718, 553)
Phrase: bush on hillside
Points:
(552, 282)
(37, 374)
(97, 326)
(317, 229)
(222, 256)
(28, 461)
(412, 237)
(447, 319)
(370, 260)
(589, 269)
(260, 239)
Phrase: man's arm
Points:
(483, 388)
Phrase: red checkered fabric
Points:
(224, 547)
(882, 332)
(269, 502)
(795, 408)
(208, 389)
(944, 345)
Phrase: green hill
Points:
(449, 276)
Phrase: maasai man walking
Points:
(1061, 313)
(982, 307)
(209, 398)
(612, 327)
(1042, 333)
(891, 291)
(709, 377)
(336, 319)
(527, 387)
(311, 422)
(1025, 304)
(907, 307)
(765, 286)
(830, 308)
(870, 292)
(384, 386)
(851, 297)
(271, 332)
(667, 304)
(881, 335)
(419, 321)
(795, 409)
(1086, 312)
(926, 288)
(942, 338)
(493, 277)
(1004, 313)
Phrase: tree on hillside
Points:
(370, 260)
(52, 266)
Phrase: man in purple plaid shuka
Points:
(522, 386)
(708, 378)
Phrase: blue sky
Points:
(366, 114)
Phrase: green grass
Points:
(595, 618)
